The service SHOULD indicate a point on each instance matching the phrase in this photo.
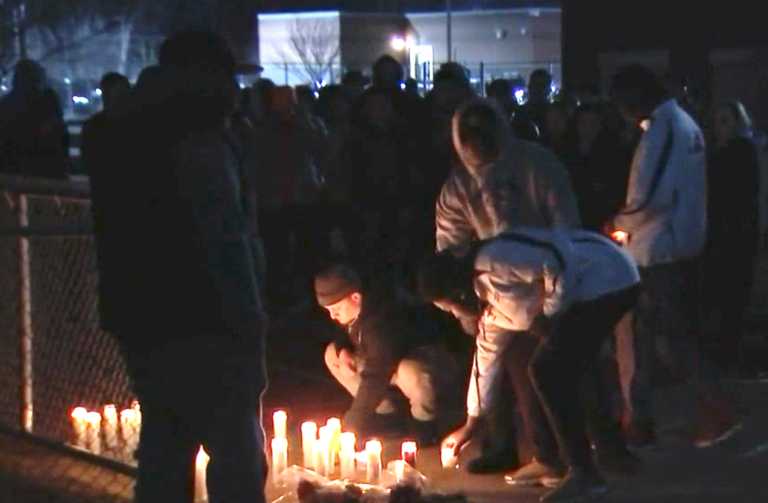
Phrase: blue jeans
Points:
(202, 391)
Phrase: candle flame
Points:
(408, 447)
(361, 457)
(93, 417)
(79, 413)
(202, 458)
(309, 427)
(373, 447)
(127, 415)
(279, 414)
(334, 423)
(325, 432)
(348, 440)
(110, 410)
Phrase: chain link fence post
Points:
(25, 318)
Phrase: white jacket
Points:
(665, 214)
(527, 186)
(526, 272)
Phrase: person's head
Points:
(28, 75)
(448, 282)
(283, 103)
(387, 73)
(378, 111)
(637, 91)
(334, 106)
(113, 87)
(339, 290)
(500, 90)
(729, 120)
(452, 71)
(589, 122)
(354, 83)
(479, 133)
(539, 86)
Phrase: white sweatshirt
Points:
(526, 272)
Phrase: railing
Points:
(53, 355)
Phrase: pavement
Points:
(675, 472)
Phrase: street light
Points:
(398, 43)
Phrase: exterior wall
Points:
(509, 43)
(281, 62)
(366, 37)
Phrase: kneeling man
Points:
(386, 344)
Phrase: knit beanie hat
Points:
(335, 283)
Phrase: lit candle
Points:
(279, 458)
(201, 465)
(129, 434)
(373, 466)
(335, 425)
(78, 426)
(320, 457)
(93, 432)
(308, 436)
(109, 416)
(326, 435)
(399, 469)
(449, 458)
(620, 237)
(280, 420)
(347, 441)
(408, 453)
(361, 460)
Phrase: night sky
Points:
(393, 5)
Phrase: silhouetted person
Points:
(387, 74)
(33, 135)
(114, 87)
(501, 91)
(354, 83)
(529, 120)
(178, 288)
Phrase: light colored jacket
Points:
(527, 272)
(527, 186)
(666, 210)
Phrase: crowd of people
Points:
(566, 237)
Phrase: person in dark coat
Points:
(114, 87)
(384, 344)
(178, 288)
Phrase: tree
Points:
(315, 44)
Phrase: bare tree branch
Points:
(315, 43)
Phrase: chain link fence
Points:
(69, 423)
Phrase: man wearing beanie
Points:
(386, 342)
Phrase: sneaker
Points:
(617, 462)
(536, 473)
(493, 461)
(576, 487)
(716, 430)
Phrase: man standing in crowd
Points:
(178, 288)
(388, 340)
(503, 183)
(664, 222)
(114, 87)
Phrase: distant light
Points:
(3, 88)
(67, 81)
(402, 85)
(320, 83)
(553, 87)
(534, 12)
(242, 86)
(80, 100)
(398, 43)
(520, 95)
(317, 95)
(97, 92)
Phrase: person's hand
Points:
(459, 438)
(347, 363)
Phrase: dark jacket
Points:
(176, 260)
(388, 328)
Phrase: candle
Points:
(279, 458)
(320, 457)
(620, 237)
(109, 417)
(408, 453)
(79, 426)
(449, 458)
(326, 435)
(201, 464)
(399, 469)
(129, 434)
(335, 425)
(308, 436)
(93, 432)
(361, 460)
(279, 420)
(137, 408)
(373, 466)
(347, 441)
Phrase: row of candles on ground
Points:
(321, 447)
(108, 431)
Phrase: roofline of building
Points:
(458, 13)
